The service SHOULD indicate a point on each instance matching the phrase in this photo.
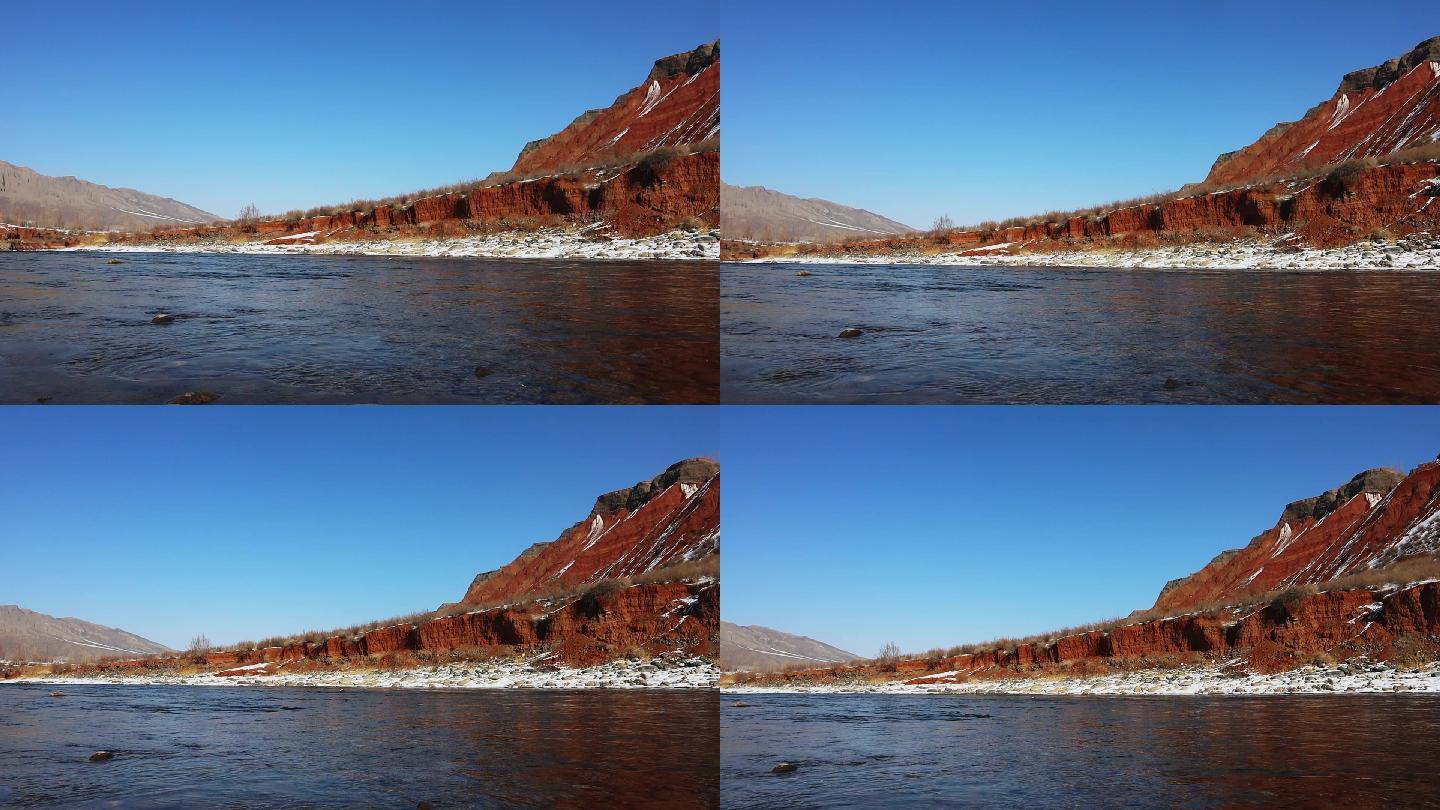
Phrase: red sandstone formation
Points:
(1321, 212)
(1377, 519)
(672, 518)
(1373, 113)
(14, 237)
(568, 598)
(1266, 638)
(678, 104)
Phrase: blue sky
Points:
(246, 522)
(292, 105)
(934, 526)
(989, 110)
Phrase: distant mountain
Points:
(29, 636)
(755, 213)
(30, 198)
(752, 648)
(1373, 113)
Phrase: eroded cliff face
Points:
(1270, 638)
(637, 200)
(15, 237)
(1378, 518)
(1373, 113)
(1320, 212)
(568, 601)
(577, 631)
(677, 104)
(601, 172)
(672, 518)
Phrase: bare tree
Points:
(943, 225)
(249, 213)
(889, 652)
(199, 644)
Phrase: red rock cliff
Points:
(1374, 112)
(678, 104)
(1376, 519)
(672, 518)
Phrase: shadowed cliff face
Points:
(1374, 112)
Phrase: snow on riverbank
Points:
(663, 673)
(550, 243)
(1352, 677)
(1421, 252)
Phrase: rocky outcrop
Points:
(671, 518)
(1322, 212)
(1380, 624)
(640, 200)
(569, 600)
(578, 631)
(1280, 602)
(647, 164)
(1362, 163)
(1374, 112)
(678, 104)
(14, 237)
(1378, 518)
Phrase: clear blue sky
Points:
(247, 522)
(934, 526)
(988, 110)
(291, 105)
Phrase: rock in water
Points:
(116, 261)
(482, 372)
(850, 333)
(195, 398)
(804, 273)
(101, 756)
(739, 704)
(57, 694)
(784, 767)
(163, 318)
(1171, 383)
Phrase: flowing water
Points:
(261, 747)
(348, 329)
(1044, 335)
(984, 751)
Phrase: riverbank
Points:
(663, 672)
(547, 243)
(1417, 252)
(1357, 676)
